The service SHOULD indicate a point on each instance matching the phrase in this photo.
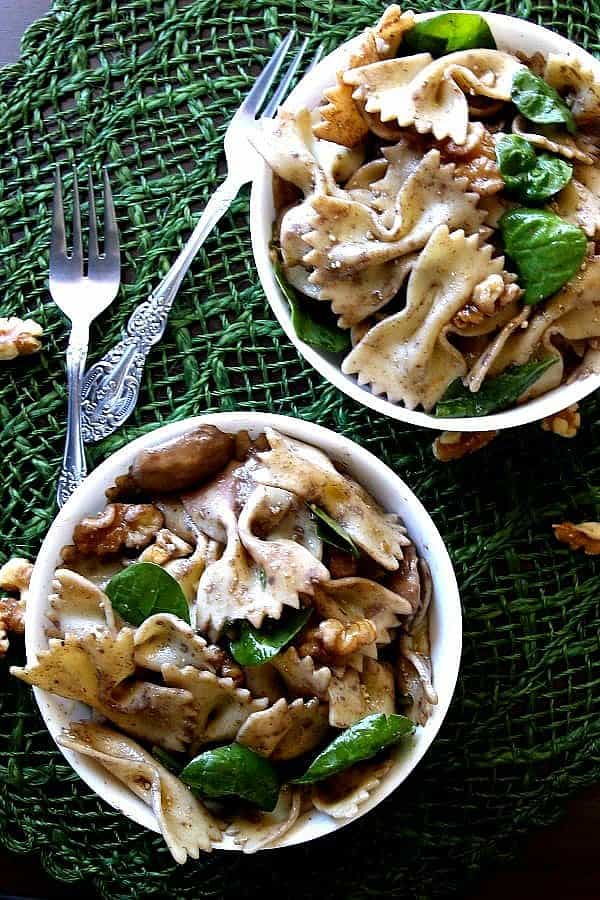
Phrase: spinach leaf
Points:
(255, 646)
(167, 760)
(494, 394)
(531, 178)
(546, 250)
(332, 533)
(361, 741)
(313, 322)
(144, 589)
(539, 102)
(448, 33)
(234, 771)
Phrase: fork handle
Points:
(111, 386)
(74, 468)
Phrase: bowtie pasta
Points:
(250, 632)
(438, 213)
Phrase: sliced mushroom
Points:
(184, 461)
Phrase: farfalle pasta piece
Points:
(309, 725)
(475, 377)
(287, 144)
(432, 94)
(386, 88)
(353, 695)
(258, 831)
(571, 313)
(579, 200)
(414, 672)
(263, 681)
(77, 606)
(571, 77)
(299, 525)
(98, 670)
(295, 223)
(301, 676)
(164, 639)
(403, 159)
(220, 708)
(184, 822)
(408, 355)
(354, 296)
(188, 570)
(347, 235)
(263, 730)
(289, 567)
(554, 140)
(307, 472)
(341, 795)
(353, 599)
(285, 730)
(340, 120)
(234, 587)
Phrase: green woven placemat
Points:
(145, 86)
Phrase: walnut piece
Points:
(584, 536)
(475, 160)
(331, 641)
(14, 576)
(564, 423)
(119, 525)
(452, 445)
(342, 640)
(489, 296)
(166, 546)
(19, 337)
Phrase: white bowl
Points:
(510, 34)
(386, 487)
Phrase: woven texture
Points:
(145, 86)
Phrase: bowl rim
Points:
(56, 711)
(533, 410)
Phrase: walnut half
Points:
(19, 337)
(332, 641)
(118, 526)
(14, 576)
(489, 297)
(452, 445)
(584, 536)
(564, 423)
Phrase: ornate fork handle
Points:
(111, 386)
(74, 468)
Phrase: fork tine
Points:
(93, 252)
(282, 90)
(112, 252)
(58, 243)
(316, 58)
(256, 97)
(77, 253)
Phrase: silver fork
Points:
(81, 298)
(111, 386)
